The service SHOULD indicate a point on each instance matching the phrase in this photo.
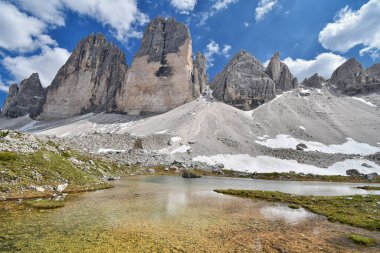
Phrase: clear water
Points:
(172, 214)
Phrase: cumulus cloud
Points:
(120, 16)
(46, 64)
(184, 6)
(20, 32)
(324, 64)
(3, 87)
(215, 8)
(213, 49)
(351, 28)
(263, 8)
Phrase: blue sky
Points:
(312, 36)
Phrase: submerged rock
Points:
(190, 174)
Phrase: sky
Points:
(311, 36)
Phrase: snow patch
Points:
(110, 150)
(302, 127)
(364, 101)
(163, 131)
(266, 164)
(181, 149)
(28, 126)
(175, 139)
(348, 147)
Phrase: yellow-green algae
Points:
(357, 210)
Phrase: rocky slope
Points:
(160, 77)
(26, 99)
(280, 74)
(89, 80)
(243, 83)
(315, 81)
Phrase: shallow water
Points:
(172, 214)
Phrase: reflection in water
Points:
(286, 214)
(175, 201)
(172, 214)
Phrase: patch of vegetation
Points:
(357, 210)
(6, 156)
(363, 240)
(47, 167)
(293, 206)
(4, 134)
(369, 188)
(44, 204)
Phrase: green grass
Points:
(44, 204)
(369, 188)
(293, 206)
(362, 240)
(357, 210)
(20, 171)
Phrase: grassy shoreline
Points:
(356, 210)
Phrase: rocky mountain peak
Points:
(24, 99)
(280, 74)
(350, 73)
(315, 81)
(89, 80)
(199, 72)
(243, 83)
(161, 75)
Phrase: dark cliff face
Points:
(280, 74)
(89, 80)
(162, 37)
(243, 83)
(26, 99)
(315, 81)
(351, 78)
(200, 77)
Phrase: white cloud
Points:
(324, 64)
(45, 64)
(184, 6)
(351, 28)
(222, 4)
(4, 87)
(120, 16)
(216, 7)
(263, 8)
(20, 32)
(48, 11)
(213, 49)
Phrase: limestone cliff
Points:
(200, 77)
(89, 80)
(26, 99)
(280, 74)
(315, 81)
(160, 77)
(243, 83)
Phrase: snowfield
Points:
(266, 164)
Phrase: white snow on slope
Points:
(348, 147)
(110, 150)
(364, 101)
(266, 164)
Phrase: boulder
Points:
(190, 174)
(301, 146)
(243, 83)
(353, 173)
(280, 74)
(89, 80)
(315, 81)
(161, 74)
(26, 99)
